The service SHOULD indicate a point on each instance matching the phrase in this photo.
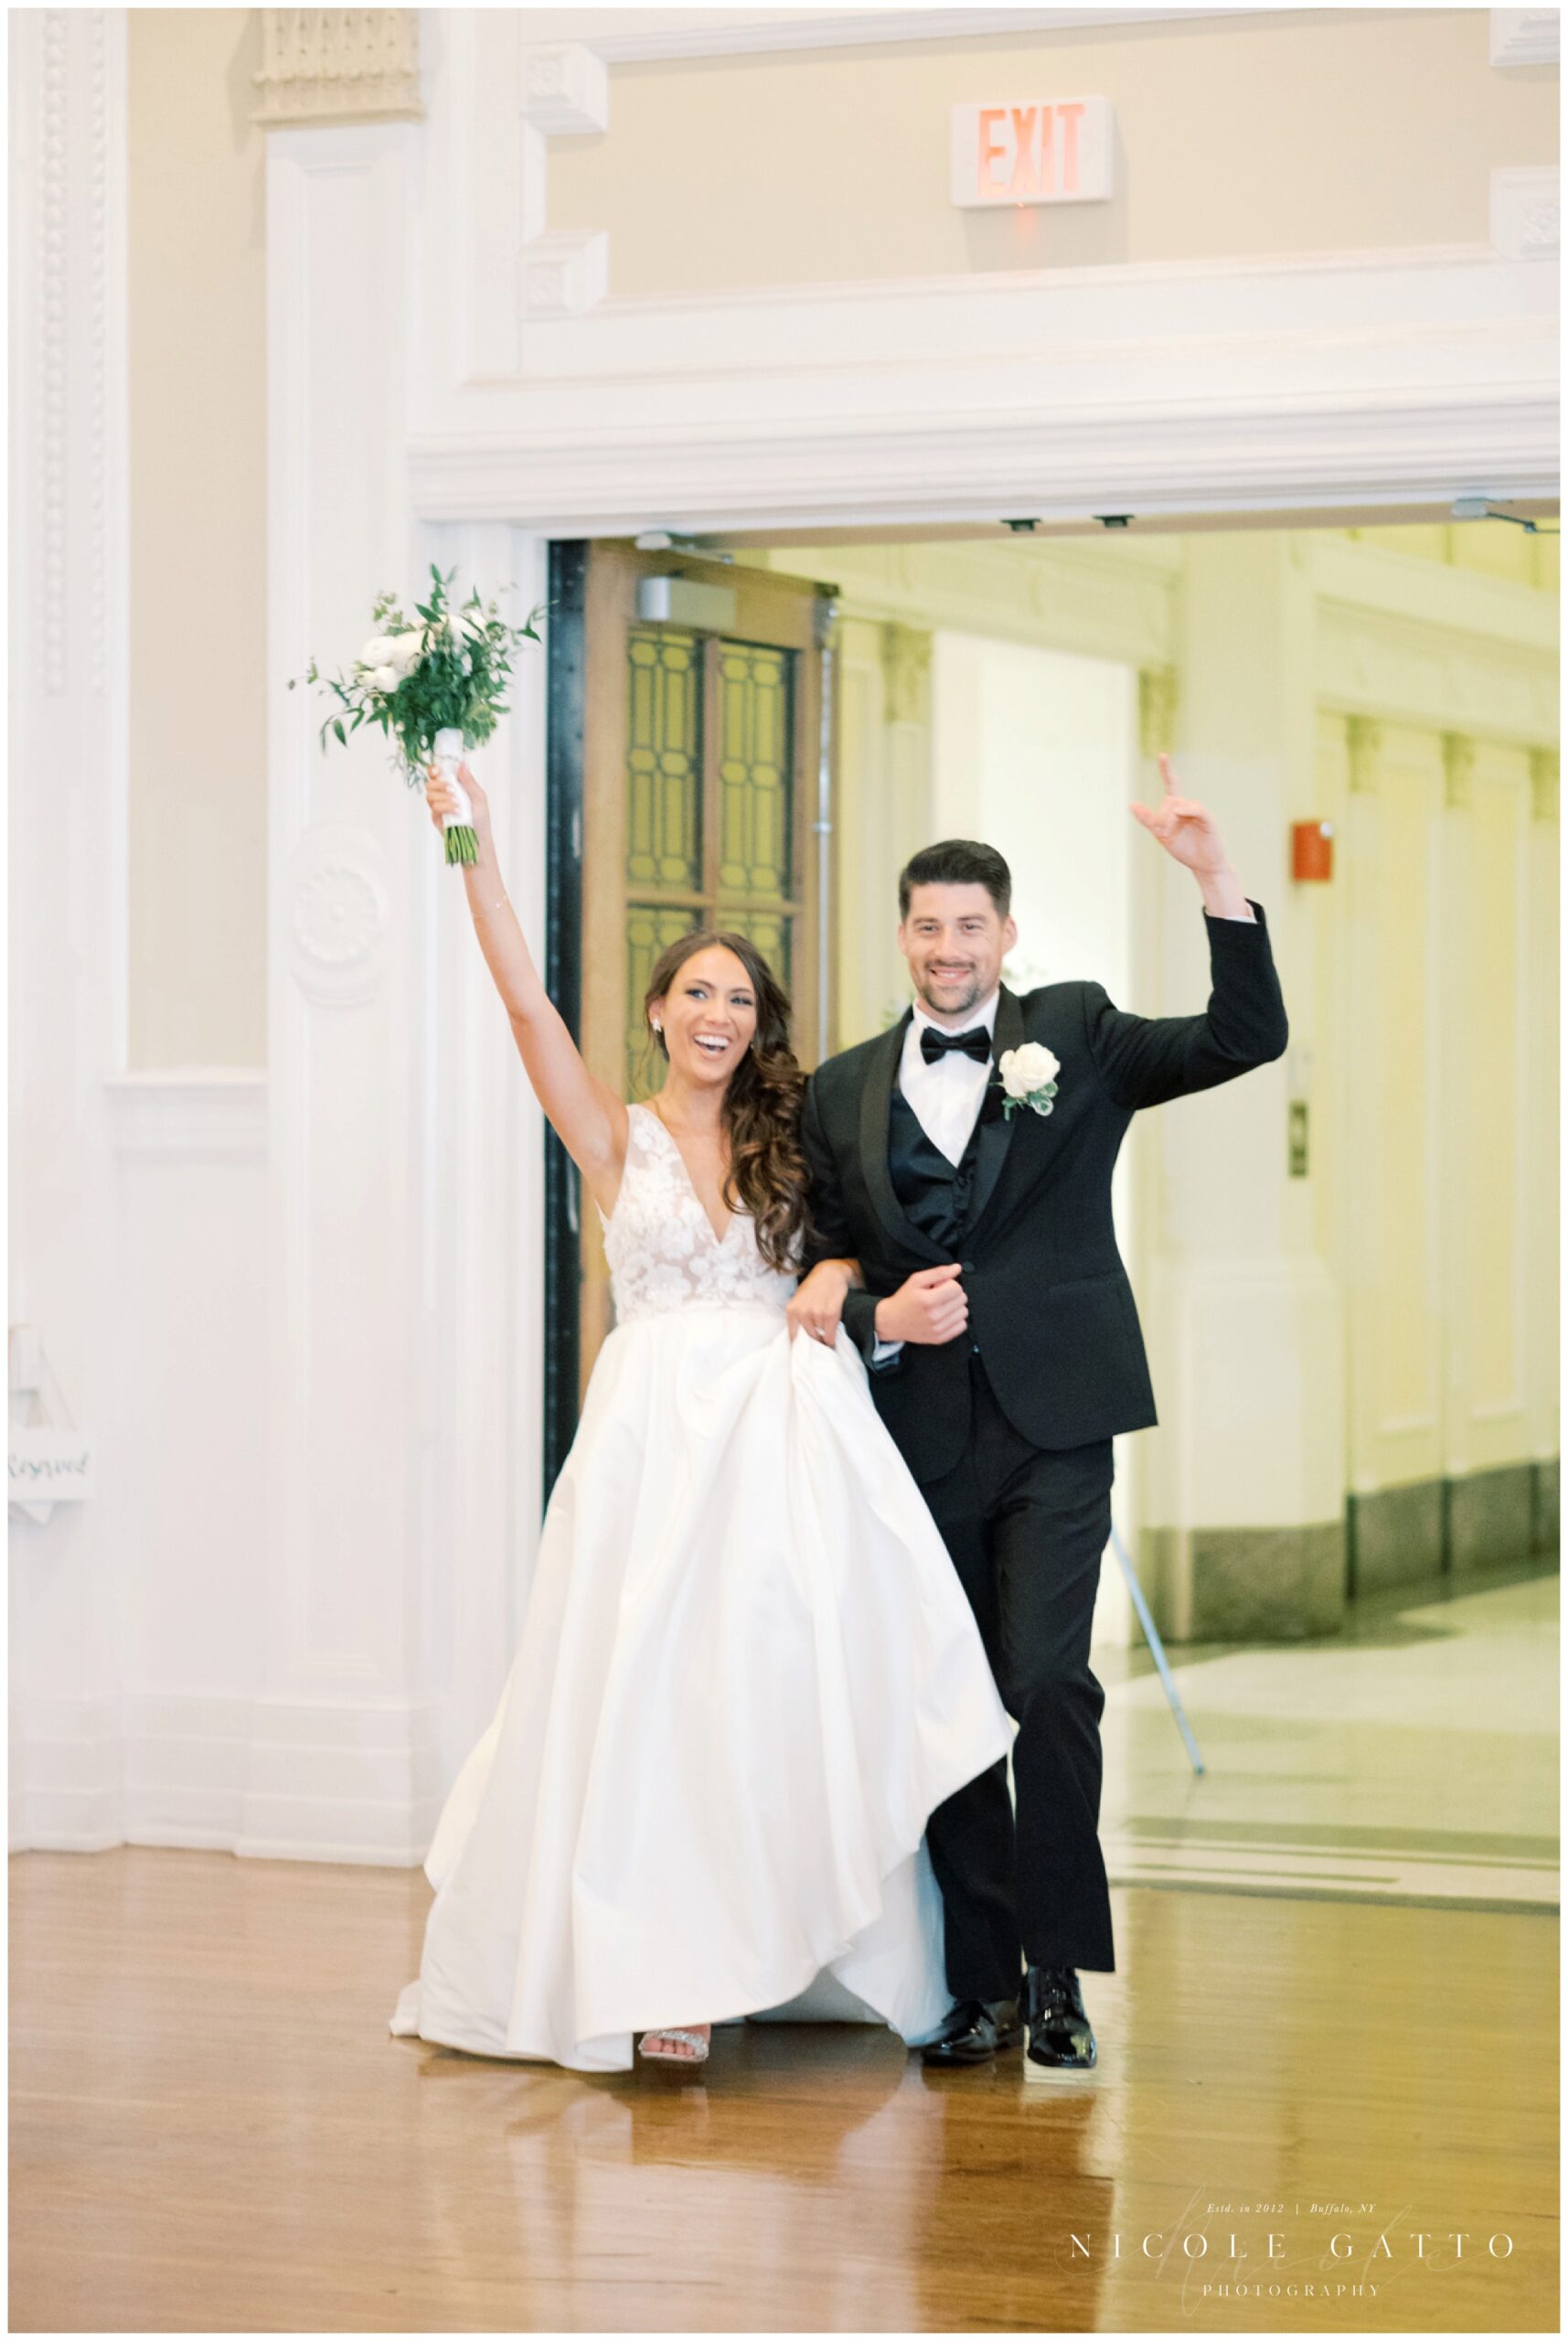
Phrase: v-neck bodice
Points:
(660, 1244)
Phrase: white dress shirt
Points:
(944, 1097)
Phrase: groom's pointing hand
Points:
(930, 1306)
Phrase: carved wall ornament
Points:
(906, 673)
(339, 64)
(97, 377)
(339, 915)
(1363, 746)
(53, 345)
(564, 92)
(1526, 213)
(1458, 770)
(1525, 36)
(1157, 700)
(1543, 773)
(564, 274)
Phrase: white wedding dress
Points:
(747, 1674)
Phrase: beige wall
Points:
(198, 570)
(1299, 132)
(1311, 130)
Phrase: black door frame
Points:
(565, 684)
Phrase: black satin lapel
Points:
(876, 1104)
(996, 1130)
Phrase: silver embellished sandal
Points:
(694, 2041)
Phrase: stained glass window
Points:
(754, 755)
(649, 930)
(710, 821)
(664, 760)
(769, 930)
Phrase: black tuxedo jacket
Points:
(1051, 1310)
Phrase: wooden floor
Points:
(212, 2130)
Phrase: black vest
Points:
(933, 1193)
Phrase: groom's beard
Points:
(955, 997)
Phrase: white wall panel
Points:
(68, 876)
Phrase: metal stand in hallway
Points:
(1151, 1635)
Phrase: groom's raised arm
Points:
(1144, 1060)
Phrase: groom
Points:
(1004, 1349)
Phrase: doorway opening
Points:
(772, 730)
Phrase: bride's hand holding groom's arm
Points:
(818, 1304)
(588, 1117)
(930, 1306)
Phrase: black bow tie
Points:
(975, 1043)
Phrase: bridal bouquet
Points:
(435, 687)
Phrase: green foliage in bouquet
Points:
(446, 673)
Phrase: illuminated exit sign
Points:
(1051, 150)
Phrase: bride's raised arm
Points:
(589, 1119)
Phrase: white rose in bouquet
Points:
(435, 688)
(1032, 1067)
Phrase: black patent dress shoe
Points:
(974, 2030)
(1060, 2037)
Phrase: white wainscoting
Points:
(192, 1398)
(186, 1744)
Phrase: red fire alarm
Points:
(1312, 852)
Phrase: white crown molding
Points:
(1526, 213)
(1331, 381)
(1525, 36)
(207, 1112)
(639, 37)
(1053, 315)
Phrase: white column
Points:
(342, 1759)
(481, 1141)
(67, 884)
(1245, 1475)
(405, 1178)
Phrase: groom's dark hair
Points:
(957, 861)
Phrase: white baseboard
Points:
(263, 1779)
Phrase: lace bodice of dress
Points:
(662, 1250)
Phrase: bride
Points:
(747, 1672)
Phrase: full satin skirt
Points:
(746, 1676)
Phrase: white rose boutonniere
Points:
(1029, 1078)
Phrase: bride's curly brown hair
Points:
(768, 1173)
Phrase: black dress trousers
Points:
(1026, 1527)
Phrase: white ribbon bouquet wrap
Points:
(435, 688)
